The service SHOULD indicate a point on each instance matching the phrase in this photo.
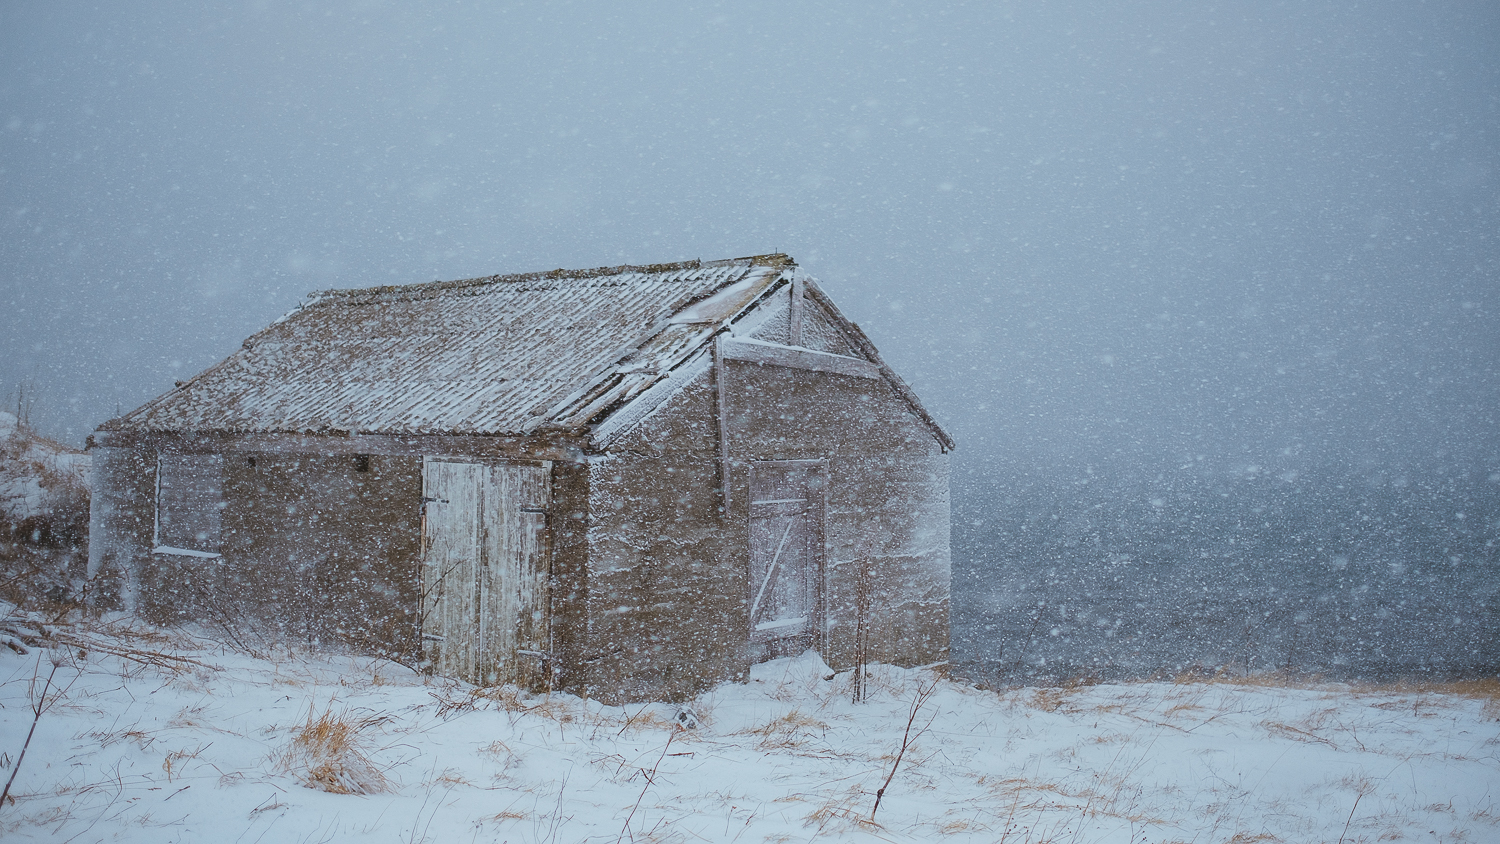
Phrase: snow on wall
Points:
(663, 590)
(822, 334)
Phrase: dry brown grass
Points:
(789, 732)
(177, 760)
(841, 813)
(502, 817)
(647, 719)
(1052, 699)
(1027, 803)
(1259, 679)
(450, 778)
(962, 825)
(497, 749)
(1287, 731)
(105, 738)
(455, 700)
(329, 753)
(1486, 689)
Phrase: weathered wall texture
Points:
(666, 614)
(667, 593)
(568, 528)
(315, 549)
(887, 499)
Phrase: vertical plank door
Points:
(514, 629)
(786, 556)
(452, 497)
(485, 571)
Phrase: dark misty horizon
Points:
(1134, 236)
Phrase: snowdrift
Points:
(147, 734)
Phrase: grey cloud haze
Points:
(1084, 232)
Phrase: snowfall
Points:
(164, 735)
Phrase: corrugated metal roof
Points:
(498, 355)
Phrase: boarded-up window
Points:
(485, 570)
(786, 555)
(189, 503)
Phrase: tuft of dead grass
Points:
(648, 718)
(503, 817)
(451, 778)
(840, 813)
(1051, 699)
(455, 700)
(789, 732)
(329, 753)
(1287, 731)
(175, 761)
(497, 749)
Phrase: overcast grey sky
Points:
(1260, 232)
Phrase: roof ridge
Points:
(775, 259)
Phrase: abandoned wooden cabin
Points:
(628, 482)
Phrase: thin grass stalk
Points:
(1352, 809)
(38, 706)
(650, 778)
(906, 740)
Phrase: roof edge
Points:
(867, 348)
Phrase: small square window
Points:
(189, 504)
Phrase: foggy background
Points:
(1149, 248)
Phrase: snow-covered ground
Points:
(158, 736)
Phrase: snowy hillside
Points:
(44, 513)
(146, 735)
(30, 467)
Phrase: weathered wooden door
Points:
(786, 556)
(485, 568)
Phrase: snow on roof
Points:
(561, 350)
(496, 355)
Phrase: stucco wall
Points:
(887, 500)
(668, 597)
(665, 608)
(316, 549)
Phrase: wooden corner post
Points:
(721, 396)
